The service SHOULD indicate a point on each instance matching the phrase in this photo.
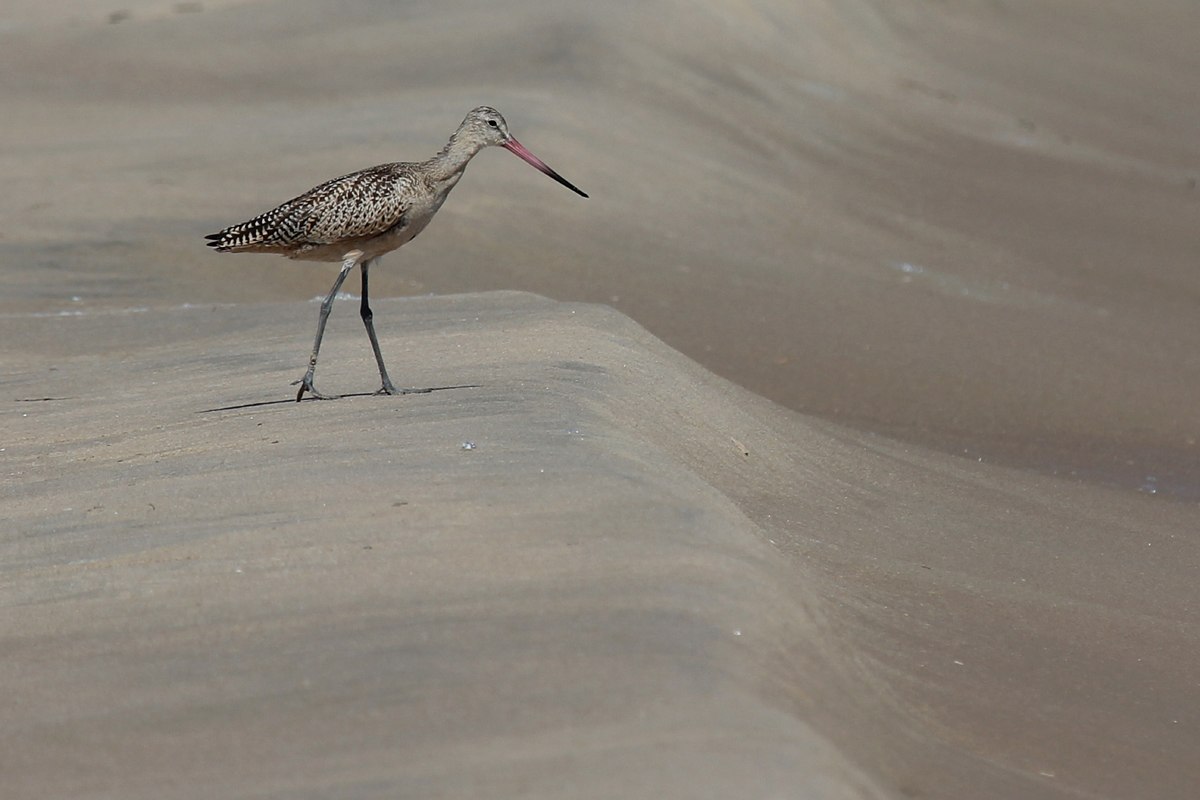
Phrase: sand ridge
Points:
(968, 226)
(583, 566)
(965, 226)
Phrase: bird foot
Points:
(306, 385)
(387, 388)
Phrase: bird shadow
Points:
(291, 401)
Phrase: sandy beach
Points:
(842, 444)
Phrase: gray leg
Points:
(306, 383)
(364, 311)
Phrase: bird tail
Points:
(219, 241)
(245, 237)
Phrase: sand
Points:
(894, 495)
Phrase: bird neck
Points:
(452, 159)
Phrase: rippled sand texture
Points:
(956, 226)
(966, 224)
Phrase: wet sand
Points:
(964, 228)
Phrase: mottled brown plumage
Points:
(361, 205)
(358, 217)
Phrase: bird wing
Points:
(359, 205)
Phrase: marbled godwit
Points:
(358, 217)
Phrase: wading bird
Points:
(358, 217)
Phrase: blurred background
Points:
(970, 224)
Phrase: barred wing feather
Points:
(359, 205)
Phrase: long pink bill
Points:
(516, 147)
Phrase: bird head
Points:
(485, 127)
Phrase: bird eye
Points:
(493, 123)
